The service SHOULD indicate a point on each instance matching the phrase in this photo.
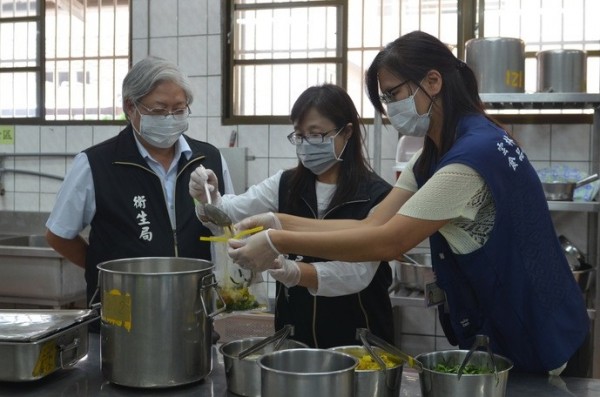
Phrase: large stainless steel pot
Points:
(441, 384)
(498, 63)
(156, 320)
(561, 71)
(307, 372)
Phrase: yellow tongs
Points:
(225, 237)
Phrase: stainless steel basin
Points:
(32, 273)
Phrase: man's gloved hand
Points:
(268, 220)
(255, 252)
(288, 271)
(201, 177)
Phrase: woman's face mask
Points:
(319, 157)
(405, 119)
(162, 131)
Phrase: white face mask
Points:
(319, 157)
(161, 132)
(405, 119)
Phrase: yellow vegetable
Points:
(366, 362)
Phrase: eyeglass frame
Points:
(293, 136)
(388, 96)
(164, 116)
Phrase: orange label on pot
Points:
(116, 309)
(46, 361)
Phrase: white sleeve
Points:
(338, 278)
(75, 203)
(263, 197)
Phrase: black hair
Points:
(333, 103)
(410, 57)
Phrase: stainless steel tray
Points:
(35, 343)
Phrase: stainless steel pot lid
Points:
(31, 325)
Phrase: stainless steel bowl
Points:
(440, 384)
(413, 272)
(374, 382)
(307, 372)
(243, 376)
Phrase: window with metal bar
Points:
(275, 49)
(63, 59)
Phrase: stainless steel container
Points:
(156, 320)
(561, 71)
(498, 63)
(374, 382)
(414, 271)
(243, 376)
(440, 384)
(35, 343)
(307, 372)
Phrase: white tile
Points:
(193, 17)
(281, 164)
(79, 138)
(213, 96)
(214, 17)
(387, 171)
(415, 344)
(192, 55)
(197, 128)
(139, 50)
(27, 139)
(255, 137)
(415, 320)
(199, 107)
(571, 142)
(258, 170)
(102, 133)
(163, 18)
(27, 202)
(7, 201)
(139, 19)
(219, 135)
(53, 139)
(534, 139)
(214, 54)
(279, 146)
(165, 47)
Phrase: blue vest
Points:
(518, 288)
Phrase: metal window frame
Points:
(228, 9)
(40, 118)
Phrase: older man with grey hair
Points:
(132, 189)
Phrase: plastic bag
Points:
(241, 289)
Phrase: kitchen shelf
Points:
(546, 100)
(574, 206)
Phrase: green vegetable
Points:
(469, 369)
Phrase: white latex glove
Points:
(201, 177)
(268, 220)
(288, 271)
(254, 253)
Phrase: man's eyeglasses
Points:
(178, 114)
(313, 138)
(389, 96)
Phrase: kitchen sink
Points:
(32, 273)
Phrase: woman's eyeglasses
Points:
(314, 138)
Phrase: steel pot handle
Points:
(209, 281)
(63, 348)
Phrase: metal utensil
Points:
(571, 249)
(215, 214)
(278, 336)
(564, 191)
(480, 341)
(366, 336)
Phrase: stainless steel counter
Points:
(86, 379)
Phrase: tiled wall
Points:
(189, 33)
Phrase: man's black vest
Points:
(325, 322)
(131, 217)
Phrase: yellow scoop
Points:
(223, 238)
